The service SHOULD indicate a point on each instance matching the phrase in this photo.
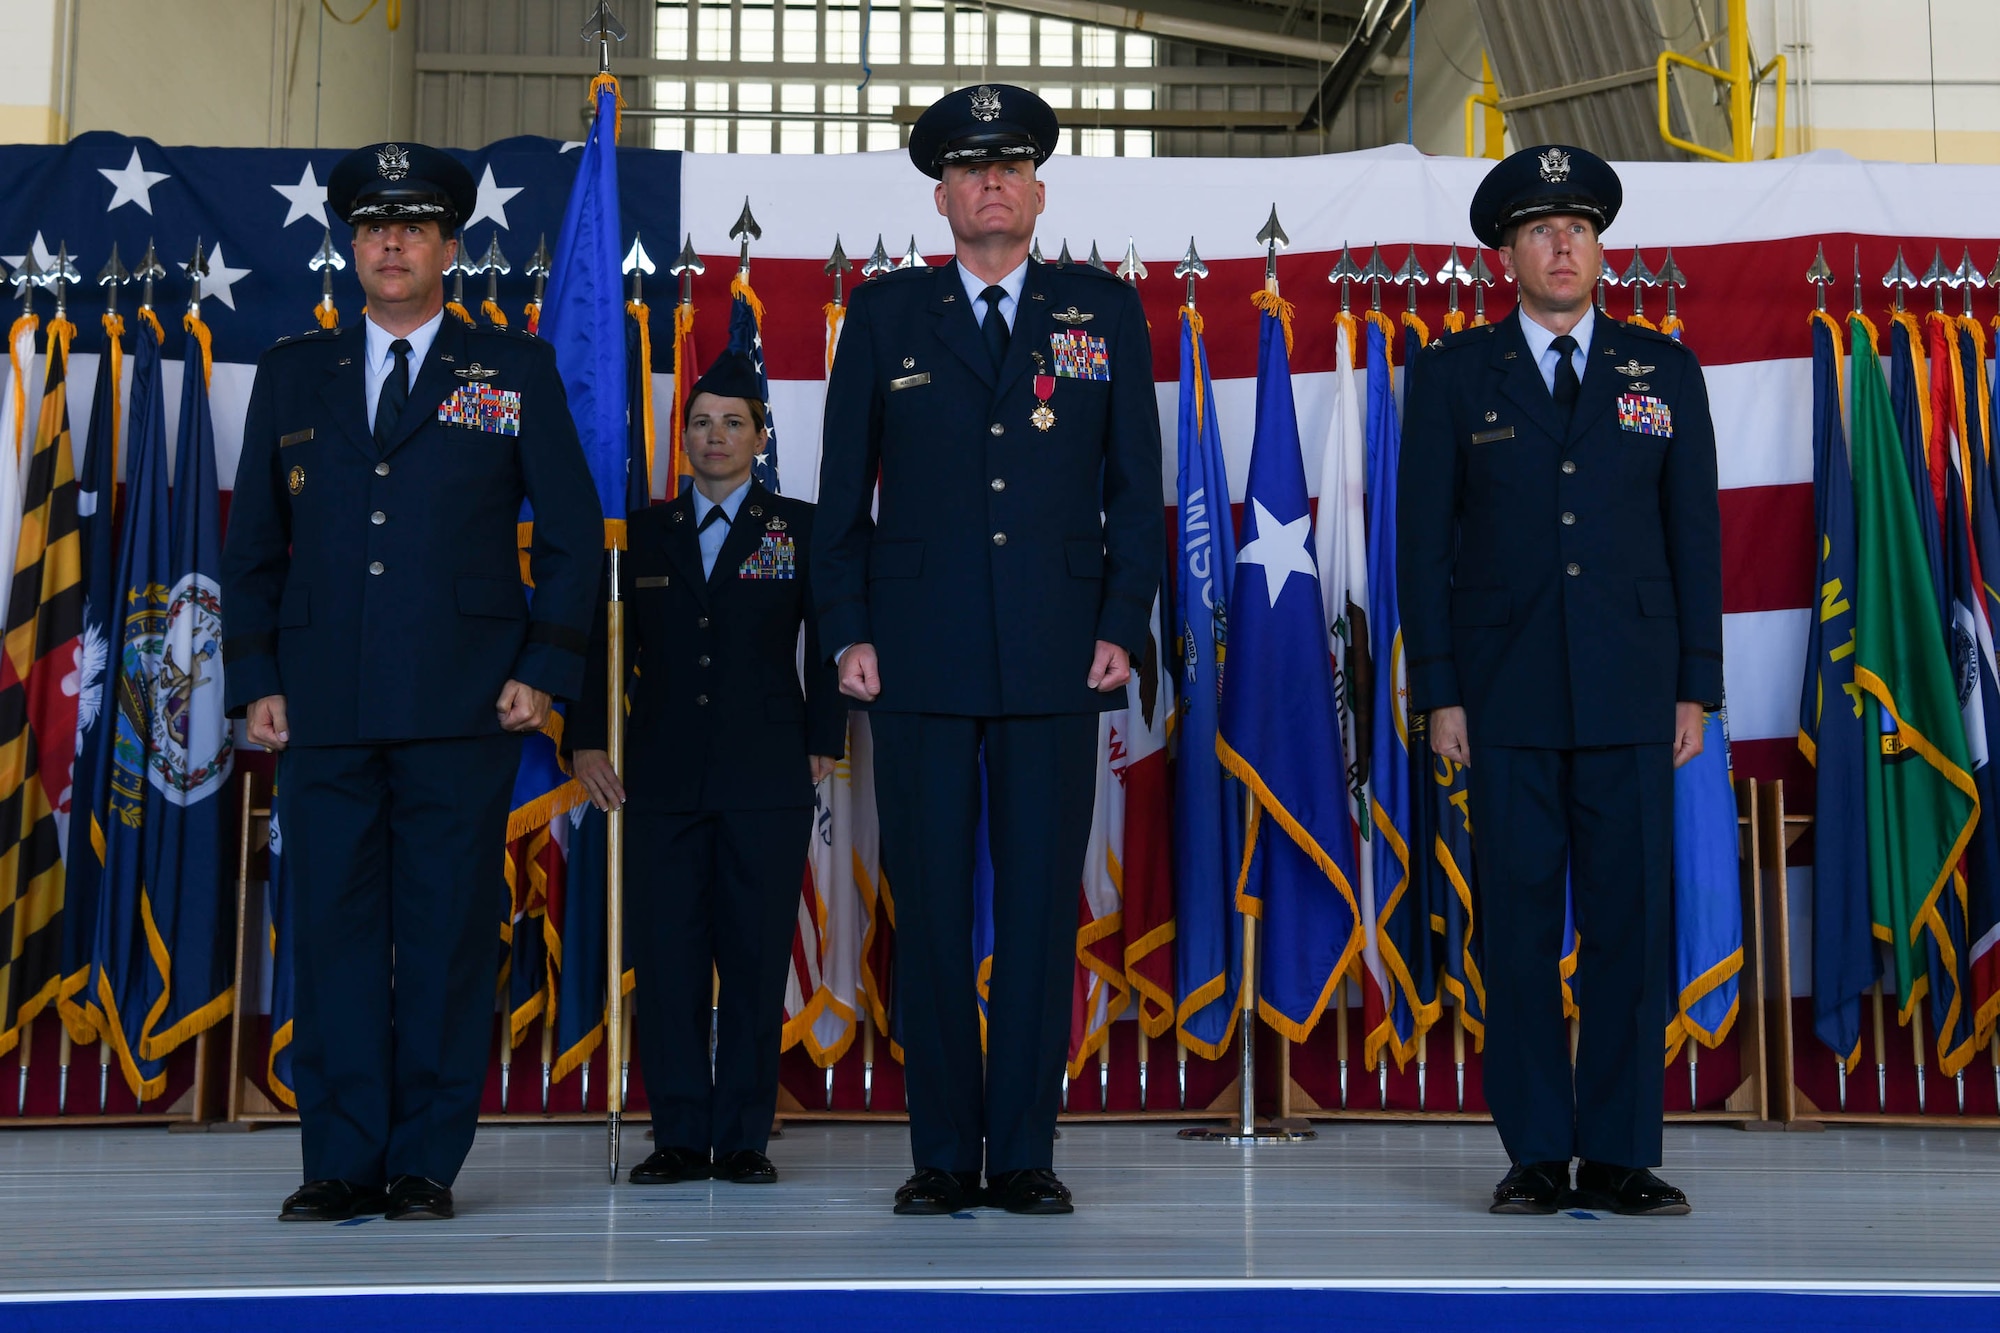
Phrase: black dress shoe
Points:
(746, 1166)
(418, 1199)
(1035, 1191)
(671, 1166)
(1629, 1191)
(331, 1201)
(934, 1193)
(1532, 1188)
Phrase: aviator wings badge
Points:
(475, 371)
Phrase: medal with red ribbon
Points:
(1043, 417)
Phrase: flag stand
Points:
(1246, 1129)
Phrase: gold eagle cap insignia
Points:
(475, 371)
(1073, 316)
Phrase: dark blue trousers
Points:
(398, 856)
(712, 895)
(1604, 819)
(999, 1111)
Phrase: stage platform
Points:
(1848, 1229)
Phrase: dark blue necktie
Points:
(1566, 386)
(395, 393)
(994, 326)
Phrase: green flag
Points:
(1921, 804)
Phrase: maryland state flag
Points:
(1844, 961)
(38, 688)
(1278, 731)
(1920, 800)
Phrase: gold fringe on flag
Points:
(739, 285)
(640, 311)
(198, 329)
(836, 315)
(1454, 321)
(458, 309)
(27, 324)
(684, 373)
(1195, 326)
(494, 314)
(327, 314)
(1411, 321)
(1672, 326)
(532, 313)
(1271, 303)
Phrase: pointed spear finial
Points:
(460, 266)
(603, 28)
(150, 271)
(1898, 277)
(912, 257)
(1454, 275)
(1375, 273)
(538, 266)
(1638, 277)
(746, 229)
(1992, 274)
(25, 279)
(878, 262)
(1671, 277)
(1132, 268)
(1937, 277)
(1096, 260)
(1968, 278)
(1410, 277)
(1063, 258)
(1035, 253)
(1273, 239)
(327, 261)
(1857, 276)
(111, 277)
(685, 267)
(494, 263)
(839, 265)
(196, 269)
(637, 263)
(58, 277)
(1345, 272)
(1820, 276)
(1191, 268)
(1482, 278)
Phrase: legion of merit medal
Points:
(1043, 416)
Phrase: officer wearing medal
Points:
(1561, 591)
(723, 752)
(378, 635)
(987, 612)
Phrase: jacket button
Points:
(1569, 519)
(701, 700)
(1568, 467)
(701, 623)
(381, 469)
(378, 518)
(701, 661)
(999, 539)
(997, 429)
(375, 567)
(1574, 569)
(999, 484)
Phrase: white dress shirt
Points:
(1011, 284)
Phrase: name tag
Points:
(1489, 436)
(1644, 414)
(910, 381)
(651, 581)
(296, 437)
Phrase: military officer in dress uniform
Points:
(379, 636)
(989, 610)
(1561, 591)
(723, 751)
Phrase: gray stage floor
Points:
(1380, 1205)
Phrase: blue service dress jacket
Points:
(379, 589)
(1020, 517)
(1560, 580)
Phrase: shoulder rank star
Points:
(1632, 367)
(475, 371)
(1073, 316)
